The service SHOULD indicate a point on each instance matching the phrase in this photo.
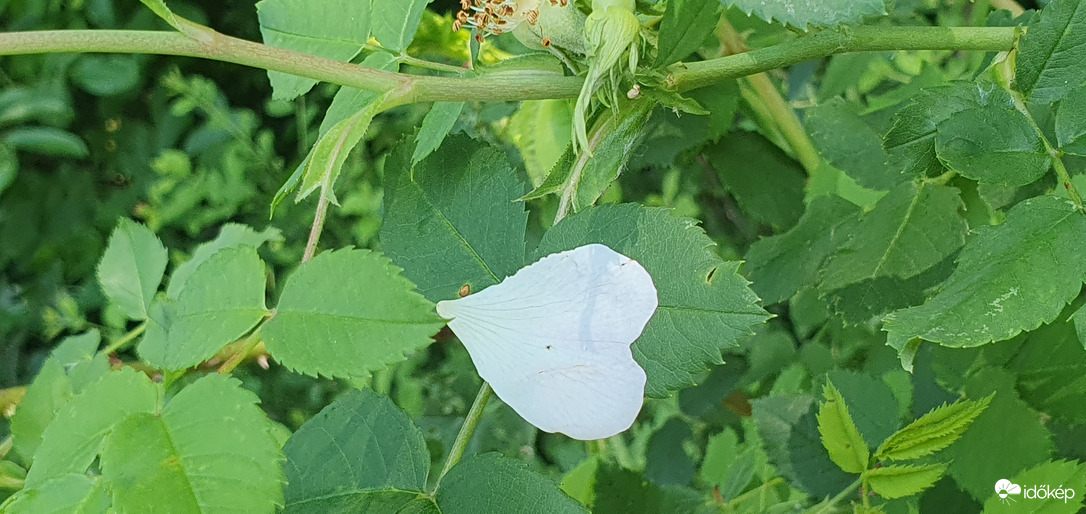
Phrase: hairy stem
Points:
(466, 430)
(505, 87)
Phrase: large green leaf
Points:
(910, 142)
(347, 313)
(71, 442)
(208, 316)
(452, 220)
(501, 485)
(912, 228)
(839, 435)
(933, 431)
(74, 493)
(208, 450)
(73, 365)
(334, 29)
(683, 29)
(395, 22)
(1071, 123)
(131, 268)
(765, 182)
(852, 144)
(802, 13)
(1003, 283)
(231, 235)
(901, 481)
(1052, 51)
(782, 265)
(994, 144)
(359, 454)
(705, 305)
(1067, 476)
(788, 427)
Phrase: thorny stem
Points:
(471, 421)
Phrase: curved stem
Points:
(466, 430)
(124, 340)
(506, 87)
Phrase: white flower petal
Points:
(554, 340)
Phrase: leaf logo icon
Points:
(1005, 488)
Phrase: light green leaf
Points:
(540, 129)
(71, 442)
(1070, 123)
(802, 13)
(231, 235)
(395, 22)
(782, 265)
(334, 29)
(74, 493)
(489, 479)
(208, 316)
(766, 183)
(839, 435)
(994, 144)
(683, 29)
(435, 126)
(901, 481)
(132, 267)
(705, 305)
(332, 149)
(1002, 285)
(912, 228)
(154, 344)
(933, 431)
(853, 145)
(1007, 424)
(346, 313)
(208, 450)
(1051, 53)
(1069, 477)
(323, 472)
(452, 220)
(349, 100)
(73, 365)
(188, 28)
(910, 142)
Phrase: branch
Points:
(506, 86)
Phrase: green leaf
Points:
(994, 144)
(9, 167)
(395, 22)
(107, 75)
(839, 435)
(208, 450)
(208, 316)
(1051, 369)
(1007, 424)
(182, 25)
(349, 100)
(346, 313)
(540, 129)
(852, 144)
(910, 142)
(1069, 477)
(870, 402)
(912, 228)
(71, 442)
(933, 431)
(452, 219)
(705, 305)
(1079, 319)
(683, 29)
(333, 29)
(154, 344)
(435, 126)
(74, 364)
(48, 141)
(801, 14)
(727, 466)
(901, 481)
(1070, 123)
(782, 265)
(132, 267)
(1003, 283)
(323, 472)
(331, 151)
(766, 183)
(231, 235)
(872, 299)
(1051, 53)
(788, 426)
(74, 493)
(502, 485)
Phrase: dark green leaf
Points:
(801, 14)
(1071, 123)
(910, 143)
(871, 404)
(9, 167)
(502, 485)
(685, 26)
(48, 141)
(1052, 51)
(851, 144)
(208, 450)
(347, 313)
(1051, 369)
(994, 144)
(1079, 319)
(766, 183)
(791, 437)
(106, 75)
(395, 22)
(334, 29)
(901, 481)
(839, 435)
(452, 219)
(131, 268)
(435, 126)
(705, 305)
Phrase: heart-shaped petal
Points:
(554, 340)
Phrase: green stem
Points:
(127, 338)
(246, 347)
(829, 507)
(506, 87)
(756, 491)
(1057, 161)
(466, 430)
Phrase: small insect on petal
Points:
(554, 340)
